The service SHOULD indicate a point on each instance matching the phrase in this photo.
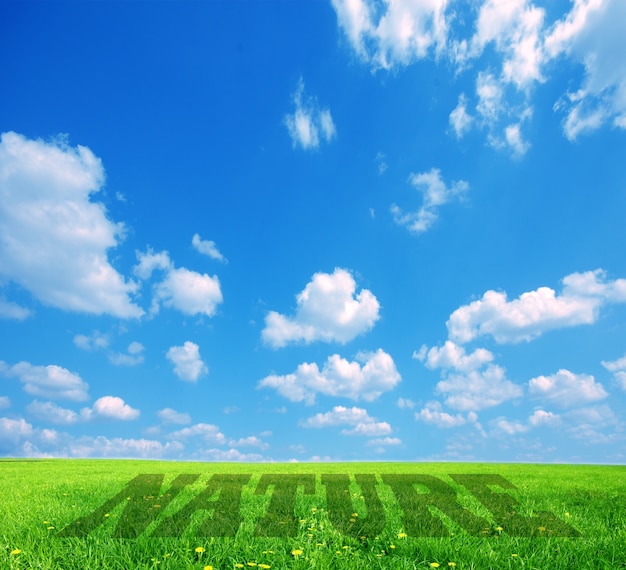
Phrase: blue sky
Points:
(304, 231)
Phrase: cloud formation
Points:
(208, 248)
(435, 194)
(327, 310)
(309, 124)
(187, 291)
(187, 363)
(54, 240)
(362, 422)
(535, 312)
(365, 378)
(566, 389)
(51, 382)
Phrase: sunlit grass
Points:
(39, 498)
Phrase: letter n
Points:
(143, 504)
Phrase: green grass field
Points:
(42, 500)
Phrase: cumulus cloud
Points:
(122, 448)
(170, 416)
(435, 194)
(363, 423)
(110, 407)
(451, 355)
(52, 382)
(206, 432)
(432, 413)
(460, 119)
(54, 240)
(405, 403)
(384, 441)
(133, 356)
(327, 310)
(618, 367)
(188, 365)
(206, 247)
(566, 389)
(592, 34)
(190, 292)
(49, 412)
(5, 402)
(251, 441)
(365, 378)
(309, 122)
(394, 32)
(536, 312)
(96, 340)
(10, 310)
(478, 389)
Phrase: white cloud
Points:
(10, 310)
(132, 358)
(110, 407)
(47, 411)
(122, 448)
(327, 310)
(52, 382)
(11, 431)
(170, 416)
(207, 432)
(566, 389)
(190, 292)
(229, 455)
(536, 312)
(251, 441)
(309, 123)
(5, 402)
(435, 194)
(365, 378)
(54, 239)
(514, 26)
(150, 262)
(433, 414)
(208, 248)
(477, 389)
(363, 423)
(188, 364)
(405, 30)
(384, 441)
(541, 418)
(460, 120)
(592, 34)
(96, 340)
(405, 403)
(451, 355)
(513, 137)
(618, 367)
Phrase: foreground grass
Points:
(39, 498)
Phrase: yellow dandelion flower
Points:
(434, 564)
(352, 520)
(499, 529)
(302, 521)
(251, 563)
(346, 547)
(568, 515)
(239, 565)
(402, 535)
(296, 552)
(452, 564)
(199, 549)
(514, 555)
(50, 528)
(265, 566)
(392, 546)
(15, 551)
(209, 567)
(542, 528)
(46, 522)
(107, 515)
(354, 515)
(268, 552)
(314, 509)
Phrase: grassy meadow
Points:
(176, 528)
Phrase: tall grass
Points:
(41, 498)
